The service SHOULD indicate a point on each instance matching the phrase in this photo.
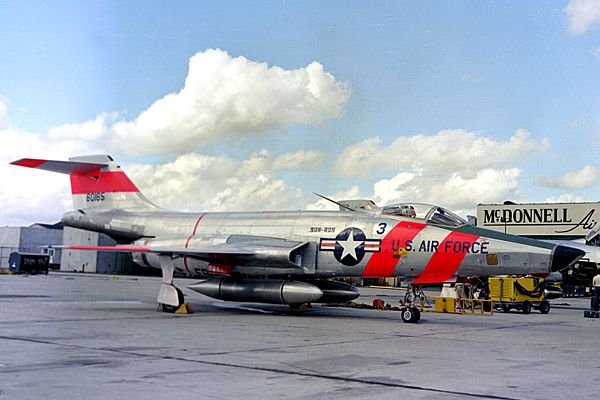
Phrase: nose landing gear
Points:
(409, 311)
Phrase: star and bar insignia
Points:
(350, 245)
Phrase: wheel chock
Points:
(591, 314)
(185, 308)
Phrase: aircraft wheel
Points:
(406, 314)
(410, 315)
(417, 315)
(167, 308)
(526, 307)
(505, 307)
(544, 307)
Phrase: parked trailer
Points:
(522, 294)
(28, 263)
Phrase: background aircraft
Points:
(289, 257)
(587, 266)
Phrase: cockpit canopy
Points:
(432, 214)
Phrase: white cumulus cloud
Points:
(453, 168)
(37, 196)
(225, 96)
(305, 160)
(323, 204)
(566, 198)
(89, 131)
(201, 182)
(26, 196)
(582, 14)
(447, 150)
(455, 190)
(222, 97)
(583, 178)
(4, 123)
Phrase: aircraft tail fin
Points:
(97, 182)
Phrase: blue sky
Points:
(403, 72)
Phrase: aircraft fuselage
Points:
(335, 243)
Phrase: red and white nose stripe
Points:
(383, 264)
(448, 249)
(447, 259)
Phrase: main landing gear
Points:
(170, 298)
(409, 311)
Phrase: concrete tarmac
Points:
(74, 336)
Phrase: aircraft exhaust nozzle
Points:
(259, 291)
(564, 256)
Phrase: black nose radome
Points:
(564, 256)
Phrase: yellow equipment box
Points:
(445, 304)
(512, 289)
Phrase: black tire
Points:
(526, 307)
(167, 308)
(180, 297)
(407, 314)
(544, 307)
(410, 315)
(417, 315)
(505, 307)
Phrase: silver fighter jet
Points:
(291, 257)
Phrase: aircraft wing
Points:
(236, 250)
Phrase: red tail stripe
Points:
(112, 181)
(384, 263)
(443, 264)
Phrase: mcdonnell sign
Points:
(540, 220)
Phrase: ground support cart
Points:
(521, 294)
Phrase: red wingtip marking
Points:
(28, 162)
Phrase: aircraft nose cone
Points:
(564, 256)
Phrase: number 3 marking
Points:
(381, 229)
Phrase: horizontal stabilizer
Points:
(62, 167)
(97, 182)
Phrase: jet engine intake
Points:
(564, 256)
